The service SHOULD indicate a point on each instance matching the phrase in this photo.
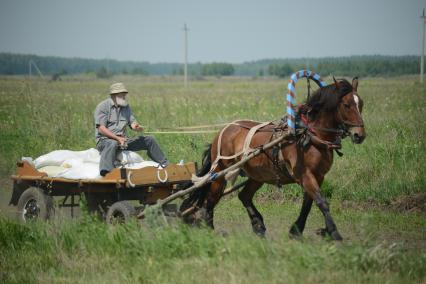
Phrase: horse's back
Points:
(231, 139)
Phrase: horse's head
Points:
(349, 113)
(340, 103)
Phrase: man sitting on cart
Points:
(112, 116)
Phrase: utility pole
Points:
(422, 61)
(185, 70)
(307, 62)
(32, 63)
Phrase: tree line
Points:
(374, 65)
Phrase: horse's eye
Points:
(347, 105)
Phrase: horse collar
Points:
(311, 137)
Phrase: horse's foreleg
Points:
(297, 229)
(311, 186)
(246, 197)
(213, 197)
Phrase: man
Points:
(112, 116)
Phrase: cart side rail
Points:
(119, 178)
(132, 177)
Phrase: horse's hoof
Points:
(335, 235)
(295, 233)
(189, 219)
(295, 237)
(258, 227)
(259, 231)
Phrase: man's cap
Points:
(117, 88)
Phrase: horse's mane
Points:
(326, 98)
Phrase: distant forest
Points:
(371, 65)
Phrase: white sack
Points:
(58, 157)
(129, 157)
(52, 171)
(55, 158)
(92, 156)
(84, 171)
(83, 164)
(72, 163)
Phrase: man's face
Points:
(120, 99)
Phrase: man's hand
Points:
(136, 127)
(106, 132)
(121, 140)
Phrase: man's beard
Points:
(121, 102)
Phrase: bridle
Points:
(342, 129)
(344, 124)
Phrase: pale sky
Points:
(220, 30)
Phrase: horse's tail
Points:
(206, 161)
(197, 197)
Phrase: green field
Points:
(377, 189)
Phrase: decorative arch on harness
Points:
(291, 96)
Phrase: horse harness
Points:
(305, 136)
(281, 168)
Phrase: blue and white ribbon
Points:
(291, 96)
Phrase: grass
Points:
(380, 244)
(87, 251)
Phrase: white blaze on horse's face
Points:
(356, 98)
(350, 113)
(356, 127)
(352, 118)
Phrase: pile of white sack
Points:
(82, 164)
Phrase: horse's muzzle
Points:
(357, 134)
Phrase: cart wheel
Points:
(99, 203)
(35, 204)
(120, 212)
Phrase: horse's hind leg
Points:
(312, 188)
(246, 197)
(296, 230)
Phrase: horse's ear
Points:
(336, 83)
(355, 83)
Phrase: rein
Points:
(312, 136)
(305, 121)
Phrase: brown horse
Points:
(330, 114)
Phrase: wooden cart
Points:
(33, 191)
